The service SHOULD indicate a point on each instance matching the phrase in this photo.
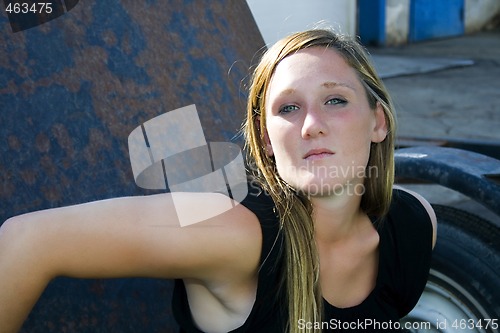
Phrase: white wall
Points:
(278, 18)
(397, 18)
(478, 13)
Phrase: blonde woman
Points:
(322, 241)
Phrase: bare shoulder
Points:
(145, 236)
(206, 236)
(428, 208)
(225, 231)
(180, 235)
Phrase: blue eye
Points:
(336, 101)
(288, 108)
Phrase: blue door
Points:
(434, 19)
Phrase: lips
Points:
(314, 154)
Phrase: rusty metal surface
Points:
(71, 91)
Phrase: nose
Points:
(314, 124)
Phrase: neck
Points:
(337, 218)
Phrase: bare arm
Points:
(138, 236)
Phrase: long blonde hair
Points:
(301, 272)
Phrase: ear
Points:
(267, 141)
(380, 128)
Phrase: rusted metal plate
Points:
(71, 91)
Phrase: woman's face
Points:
(319, 123)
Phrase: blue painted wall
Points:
(435, 19)
(371, 21)
(428, 19)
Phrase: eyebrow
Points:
(327, 84)
(332, 84)
(288, 91)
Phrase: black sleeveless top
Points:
(404, 260)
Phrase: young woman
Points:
(322, 242)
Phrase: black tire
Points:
(463, 290)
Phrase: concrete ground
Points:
(446, 88)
